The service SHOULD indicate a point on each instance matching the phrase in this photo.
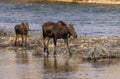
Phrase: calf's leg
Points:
(16, 38)
(22, 36)
(25, 40)
(46, 42)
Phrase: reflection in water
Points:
(21, 64)
(100, 64)
(27, 67)
(55, 65)
(21, 56)
(103, 69)
(104, 63)
(67, 66)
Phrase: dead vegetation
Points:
(82, 47)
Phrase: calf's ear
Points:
(27, 23)
(22, 23)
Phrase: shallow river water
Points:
(23, 64)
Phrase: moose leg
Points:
(22, 36)
(54, 40)
(25, 40)
(16, 37)
(46, 41)
(66, 42)
(44, 44)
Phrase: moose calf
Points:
(22, 30)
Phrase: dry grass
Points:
(82, 47)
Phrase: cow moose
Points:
(58, 30)
(21, 30)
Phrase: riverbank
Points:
(71, 1)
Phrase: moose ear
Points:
(27, 23)
(22, 23)
(69, 25)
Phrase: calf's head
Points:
(25, 26)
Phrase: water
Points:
(23, 64)
(88, 19)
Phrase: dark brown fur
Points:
(58, 30)
(22, 30)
